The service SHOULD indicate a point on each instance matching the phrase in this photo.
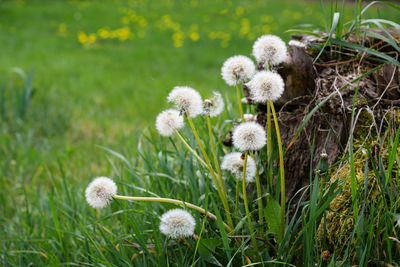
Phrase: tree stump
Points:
(307, 83)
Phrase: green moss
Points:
(337, 231)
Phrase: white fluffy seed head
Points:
(187, 100)
(266, 86)
(249, 117)
(177, 223)
(214, 106)
(100, 192)
(237, 69)
(234, 163)
(249, 136)
(169, 121)
(269, 48)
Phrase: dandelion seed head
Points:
(249, 136)
(177, 223)
(269, 48)
(187, 100)
(169, 121)
(266, 86)
(237, 69)
(249, 117)
(100, 192)
(214, 106)
(297, 43)
(234, 163)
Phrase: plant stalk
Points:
(239, 99)
(221, 193)
(191, 150)
(214, 152)
(269, 143)
(282, 171)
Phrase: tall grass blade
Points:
(335, 22)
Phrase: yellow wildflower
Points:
(82, 38)
(194, 36)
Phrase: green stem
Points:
(246, 205)
(221, 193)
(191, 150)
(282, 171)
(269, 143)
(239, 99)
(214, 152)
(259, 199)
(173, 201)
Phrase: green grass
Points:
(105, 94)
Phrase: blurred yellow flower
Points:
(62, 29)
(142, 22)
(224, 37)
(124, 33)
(267, 19)
(266, 29)
(178, 38)
(245, 26)
(297, 15)
(251, 36)
(91, 38)
(86, 39)
(82, 38)
(239, 11)
(194, 36)
(103, 33)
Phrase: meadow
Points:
(81, 82)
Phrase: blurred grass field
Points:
(102, 71)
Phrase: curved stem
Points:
(191, 150)
(282, 171)
(246, 205)
(221, 193)
(239, 99)
(173, 201)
